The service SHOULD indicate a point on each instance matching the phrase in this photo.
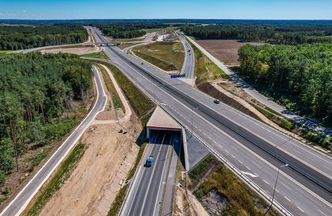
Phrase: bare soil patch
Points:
(94, 183)
(72, 50)
(213, 92)
(186, 204)
(224, 50)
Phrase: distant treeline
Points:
(25, 37)
(276, 33)
(35, 91)
(127, 30)
(300, 76)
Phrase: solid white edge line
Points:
(57, 164)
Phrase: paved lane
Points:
(19, 203)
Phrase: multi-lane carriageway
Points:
(253, 151)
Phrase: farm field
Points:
(224, 50)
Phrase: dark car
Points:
(216, 101)
(149, 161)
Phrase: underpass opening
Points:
(163, 129)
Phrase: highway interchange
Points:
(247, 146)
(253, 151)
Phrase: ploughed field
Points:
(225, 50)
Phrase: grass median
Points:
(57, 179)
(168, 56)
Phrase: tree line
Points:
(300, 76)
(126, 29)
(25, 37)
(261, 32)
(35, 92)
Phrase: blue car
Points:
(149, 161)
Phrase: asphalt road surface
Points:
(188, 67)
(19, 203)
(253, 151)
(146, 194)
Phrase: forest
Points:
(127, 29)
(299, 76)
(35, 92)
(16, 37)
(275, 33)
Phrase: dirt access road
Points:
(99, 175)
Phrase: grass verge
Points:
(57, 179)
(205, 69)
(140, 103)
(240, 199)
(168, 56)
(101, 55)
(117, 203)
(110, 87)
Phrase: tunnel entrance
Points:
(163, 129)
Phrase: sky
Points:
(154, 9)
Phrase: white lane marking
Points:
(322, 212)
(300, 209)
(162, 176)
(151, 177)
(132, 192)
(287, 199)
(268, 128)
(257, 156)
(249, 174)
(266, 182)
(62, 146)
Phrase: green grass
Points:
(101, 55)
(198, 169)
(36, 159)
(241, 199)
(168, 56)
(110, 87)
(57, 179)
(205, 69)
(6, 51)
(140, 103)
(57, 128)
(117, 203)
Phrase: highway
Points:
(253, 151)
(146, 193)
(188, 67)
(22, 199)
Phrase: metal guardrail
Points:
(248, 181)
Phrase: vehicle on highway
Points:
(149, 161)
(216, 101)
